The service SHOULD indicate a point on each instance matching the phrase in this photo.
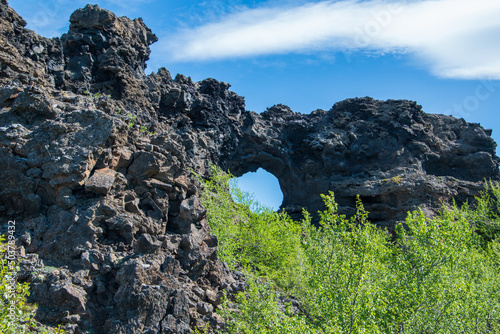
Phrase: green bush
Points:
(16, 315)
(437, 275)
(347, 259)
(485, 217)
(257, 240)
(258, 311)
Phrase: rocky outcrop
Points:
(97, 161)
(391, 153)
(109, 222)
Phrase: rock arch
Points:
(391, 153)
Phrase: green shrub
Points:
(440, 280)
(432, 276)
(347, 260)
(486, 214)
(16, 315)
(131, 120)
(257, 240)
(258, 311)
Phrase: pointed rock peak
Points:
(92, 16)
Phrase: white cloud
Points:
(455, 38)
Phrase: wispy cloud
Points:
(454, 38)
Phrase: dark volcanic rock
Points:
(97, 161)
(106, 52)
(391, 153)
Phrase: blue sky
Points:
(444, 54)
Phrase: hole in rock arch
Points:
(264, 187)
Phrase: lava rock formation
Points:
(97, 160)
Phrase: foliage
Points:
(145, 130)
(347, 259)
(486, 214)
(96, 96)
(257, 240)
(396, 179)
(430, 276)
(441, 280)
(16, 315)
(131, 120)
(259, 311)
